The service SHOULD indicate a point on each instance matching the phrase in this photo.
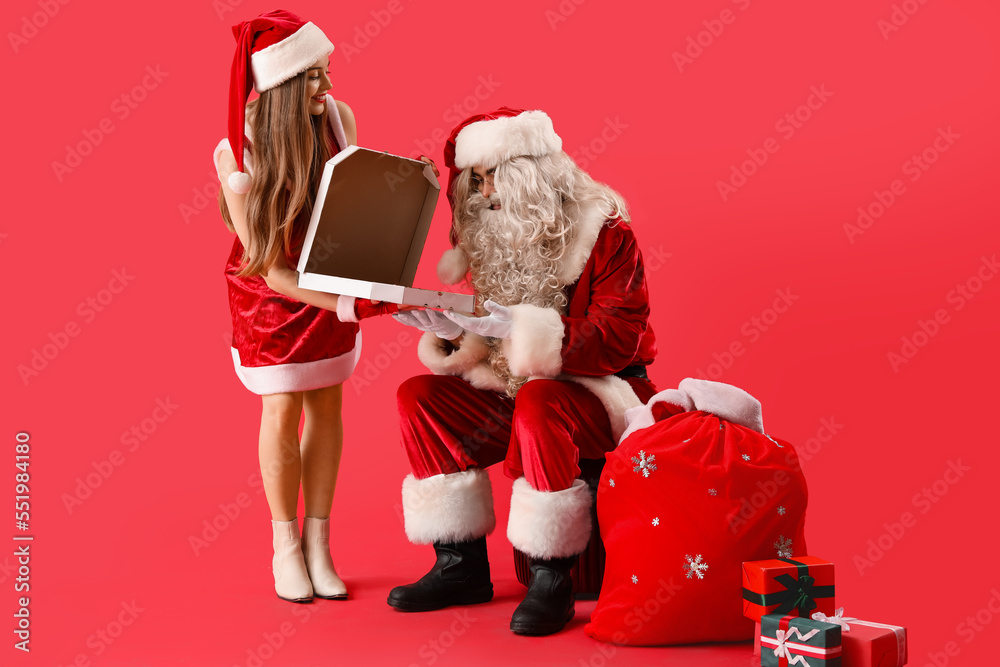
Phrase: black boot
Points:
(548, 605)
(461, 575)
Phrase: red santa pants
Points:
(449, 426)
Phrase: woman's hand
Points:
(427, 160)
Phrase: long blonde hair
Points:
(290, 148)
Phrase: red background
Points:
(714, 265)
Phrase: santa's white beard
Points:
(512, 262)
(510, 265)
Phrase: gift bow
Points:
(782, 651)
(837, 619)
(801, 592)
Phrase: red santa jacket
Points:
(604, 330)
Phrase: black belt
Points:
(637, 371)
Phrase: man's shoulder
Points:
(616, 232)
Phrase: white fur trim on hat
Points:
(535, 345)
(452, 266)
(487, 143)
(549, 524)
(448, 508)
(294, 54)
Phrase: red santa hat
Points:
(486, 140)
(270, 49)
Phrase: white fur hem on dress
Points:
(284, 378)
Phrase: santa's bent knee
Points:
(535, 400)
(418, 391)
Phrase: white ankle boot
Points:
(291, 579)
(316, 548)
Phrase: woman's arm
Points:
(348, 121)
(279, 276)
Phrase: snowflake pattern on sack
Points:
(644, 464)
(746, 457)
(712, 492)
(656, 521)
(784, 547)
(635, 579)
(695, 567)
(612, 483)
(781, 510)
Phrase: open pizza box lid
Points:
(368, 227)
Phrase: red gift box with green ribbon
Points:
(786, 641)
(788, 586)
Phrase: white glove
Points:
(430, 320)
(495, 325)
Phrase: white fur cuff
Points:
(535, 345)
(345, 309)
(436, 355)
(448, 508)
(549, 524)
(487, 143)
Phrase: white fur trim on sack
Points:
(294, 54)
(549, 524)
(725, 401)
(452, 266)
(641, 417)
(487, 143)
(722, 400)
(535, 345)
(448, 508)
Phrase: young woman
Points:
(289, 345)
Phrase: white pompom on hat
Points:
(270, 49)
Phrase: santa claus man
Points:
(541, 379)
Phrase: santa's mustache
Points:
(480, 203)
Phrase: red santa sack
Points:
(694, 489)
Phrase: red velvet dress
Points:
(280, 344)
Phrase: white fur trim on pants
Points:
(448, 508)
(550, 524)
(535, 345)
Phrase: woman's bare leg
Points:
(280, 460)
